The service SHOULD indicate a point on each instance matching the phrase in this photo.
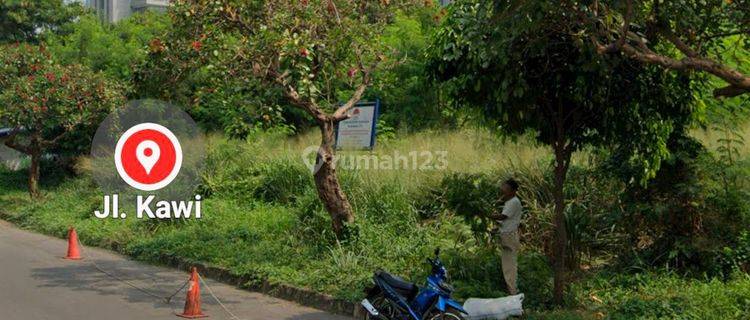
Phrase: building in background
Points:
(9, 158)
(115, 10)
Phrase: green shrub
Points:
(282, 181)
(243, 170)
(263, 220)
(559, 315)
(736, 257)
(665, 296)
(476, 196)
(535, 279)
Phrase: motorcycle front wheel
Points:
(449, 314)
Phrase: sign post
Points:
(358, 132)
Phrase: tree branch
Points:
(615, 46)
(727, 34)
(739, 83)
(50, 143)
(307, 105)
(11, 142)
(342, 112)
(677, 42)
(729, 91)
(334, 10)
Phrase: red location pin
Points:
(148, 153)
(148, 156)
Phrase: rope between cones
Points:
(166, 299)
(211, 292)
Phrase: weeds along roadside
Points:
(263, 217)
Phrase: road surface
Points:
(37, 284)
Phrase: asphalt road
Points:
(37, 284)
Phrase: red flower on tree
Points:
(197, 45)
(156, 45)
(37, 101)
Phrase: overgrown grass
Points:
(469, 151)
(262, 219)
(262, 216)
(713, 139)
(665, 296)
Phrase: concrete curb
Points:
(302, 296)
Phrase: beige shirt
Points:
(513, 210)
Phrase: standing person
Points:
(510, 218)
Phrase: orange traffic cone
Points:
(193, 301)
(73, 251)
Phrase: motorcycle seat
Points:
(405, 288)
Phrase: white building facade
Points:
(115, 10)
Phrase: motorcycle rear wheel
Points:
(384, 307)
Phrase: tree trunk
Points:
(36, 156)
(327, 183)
(562, 159)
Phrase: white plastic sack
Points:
(494, 309)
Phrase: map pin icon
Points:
(147, 153)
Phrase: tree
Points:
(319, 55)
(45, 103)
(111, 48)
(682, 35)
(407, 100)
(524, 66)
(202, 77)
(23, 20)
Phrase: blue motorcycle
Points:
(392, 298)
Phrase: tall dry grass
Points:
(464, 151)
(711, 138)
